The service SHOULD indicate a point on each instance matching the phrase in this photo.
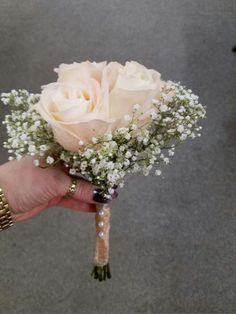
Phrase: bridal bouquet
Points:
(102, 120)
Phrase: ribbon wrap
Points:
(102, 221)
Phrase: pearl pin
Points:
(101, 234)
(101, 213)
(101, 224)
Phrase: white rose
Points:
(75, 106)
(130, 85)
(79, 71)
(91, 99)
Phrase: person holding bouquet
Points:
(97, 122)
(29, 190)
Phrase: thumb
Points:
(85, 191)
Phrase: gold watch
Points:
(5, 214)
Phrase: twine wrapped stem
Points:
(101, 270)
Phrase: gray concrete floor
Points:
(173, 240)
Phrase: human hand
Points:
(30, 189)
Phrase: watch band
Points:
(5, 214)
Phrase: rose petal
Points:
(122, 101)
(70, 135)
(78, 71)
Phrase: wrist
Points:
(5, 184)
(5, 210)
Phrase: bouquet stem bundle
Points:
(101, 270)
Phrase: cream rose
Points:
(90, 99)
(129, 85)
(76, 107)
(77, 71)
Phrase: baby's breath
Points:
(106, 160)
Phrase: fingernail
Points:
(99, 198)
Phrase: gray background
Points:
(173, 239)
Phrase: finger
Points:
(86, 192)
(77, 205)
(69, 203)
(30, 214)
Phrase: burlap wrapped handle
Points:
(101, 270)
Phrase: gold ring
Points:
(72, 188)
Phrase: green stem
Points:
(101, 272)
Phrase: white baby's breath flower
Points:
(111, 191)
(136, 106)
(146, 172)
(50, 160)
(169, 96)
(33, 128)
(167, 119)
(134, 127)
(153, 114)
(183, 137)
(163, 108)
(166, 160)
(126, 162)
(122, 130)
(180, 129)
(181, 109)
(37, 123)
(36, 162)
(128, 154)
(108, 136)
(171, 152)
(136, 168)
(88, 153)
(112, 177)
(72, 171)
(31, 148)
(127, 136)
(94, 140)
(83, 165)
(122, 148)
(112, 145)
(127, 117)
(23, 137)
(43, 147)
(158, 172)
(93, 161)
(5, 101)
(110, 165)
(155, 101)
